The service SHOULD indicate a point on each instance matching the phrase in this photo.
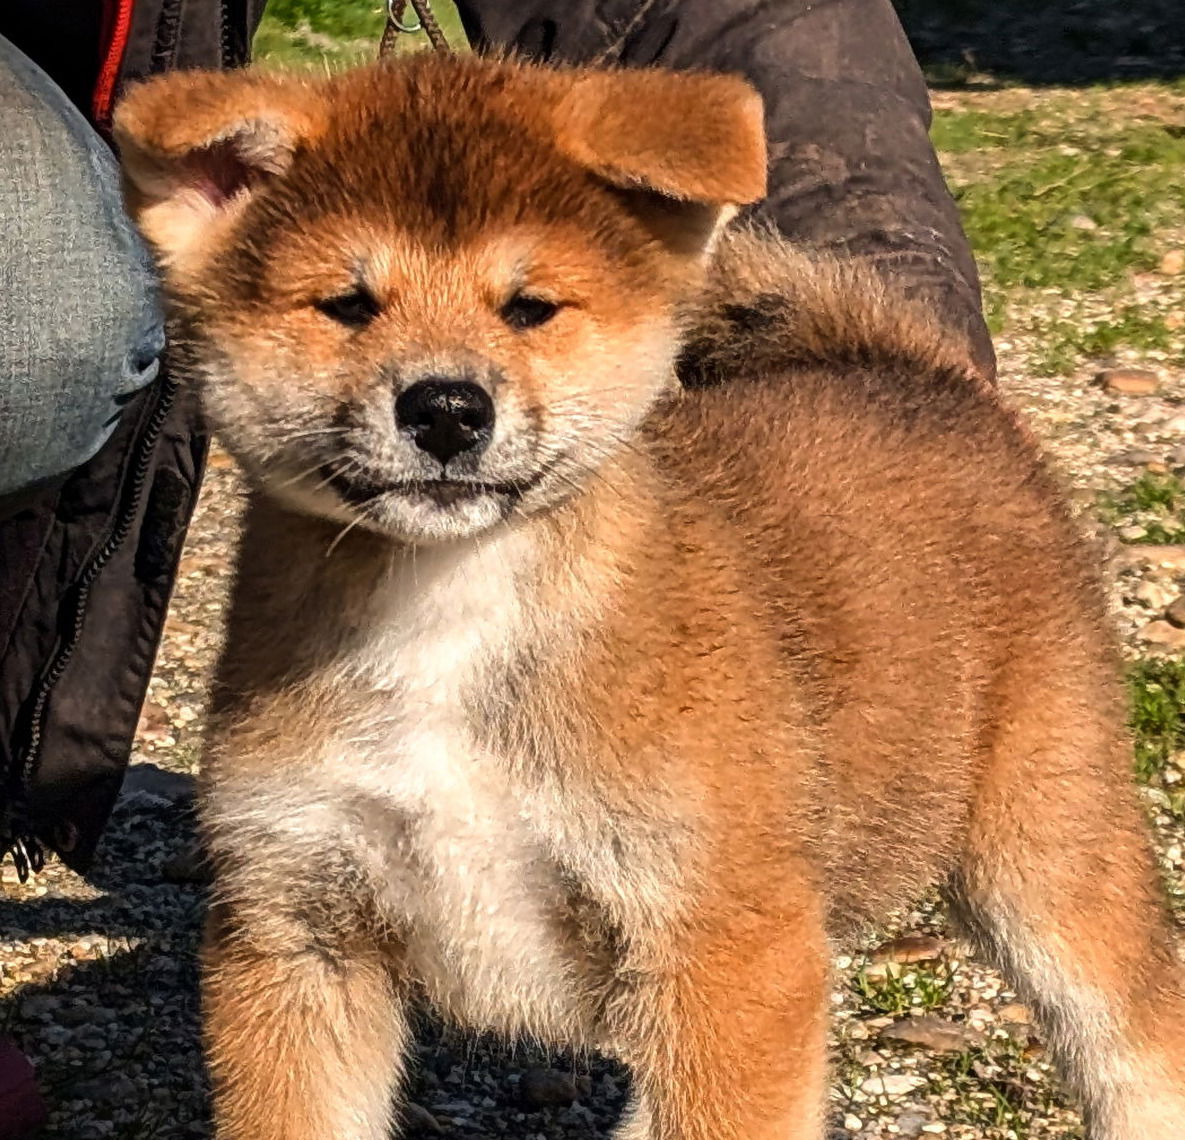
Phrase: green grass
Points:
(1020, 220)
(965, 132)
(988, 1089)
(1156, 689)
(923, 986)
(1154, 493)
(1065, 343)
(1062, 197)
(1154, 502)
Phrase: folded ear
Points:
(195, 145)
(689, 137)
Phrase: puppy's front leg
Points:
(731, 1043)
(302, 1044)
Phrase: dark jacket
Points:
(847, 115)
(86, 568)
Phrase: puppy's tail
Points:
(769, 305)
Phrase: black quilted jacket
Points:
(86, 568)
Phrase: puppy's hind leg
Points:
(1059, 886)
(739, 985)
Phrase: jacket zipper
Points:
(17, 834)
(224, 30)
(16, 829)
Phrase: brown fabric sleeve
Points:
(847, 114)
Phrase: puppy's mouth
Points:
(360, 490)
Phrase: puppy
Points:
(590, 707)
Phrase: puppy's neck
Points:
(366, 606)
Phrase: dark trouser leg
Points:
(98, 470)
(847, 113)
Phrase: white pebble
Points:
(892, 1084)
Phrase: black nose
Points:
(446, 417)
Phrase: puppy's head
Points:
(433, 295)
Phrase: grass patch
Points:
(989, 1089)
(1066, 344)
(1021, 220)
(1156, 689)
(1065, 197)
(332, 33)
(1061, 198)
(1154, 502)
(904, 988)
(965, 132)
(1153, 493)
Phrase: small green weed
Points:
(990, 1089)
(1156, 689)
(1065, 344)
(1154, 502)
(902, 988)
(1152, 492)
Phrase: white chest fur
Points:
(467, 871)
(456, 857)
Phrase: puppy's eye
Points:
(525, 312)
(355, 309)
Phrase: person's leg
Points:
(80, 323)
(852, 168)
(98, 472)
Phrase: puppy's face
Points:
(429, 297)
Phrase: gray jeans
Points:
(80, 321)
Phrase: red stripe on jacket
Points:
(117, 27)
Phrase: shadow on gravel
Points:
(116, 1036)
(1063, 42)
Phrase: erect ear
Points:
(695, 139)
(195, 145)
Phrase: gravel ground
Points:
(97, 976)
